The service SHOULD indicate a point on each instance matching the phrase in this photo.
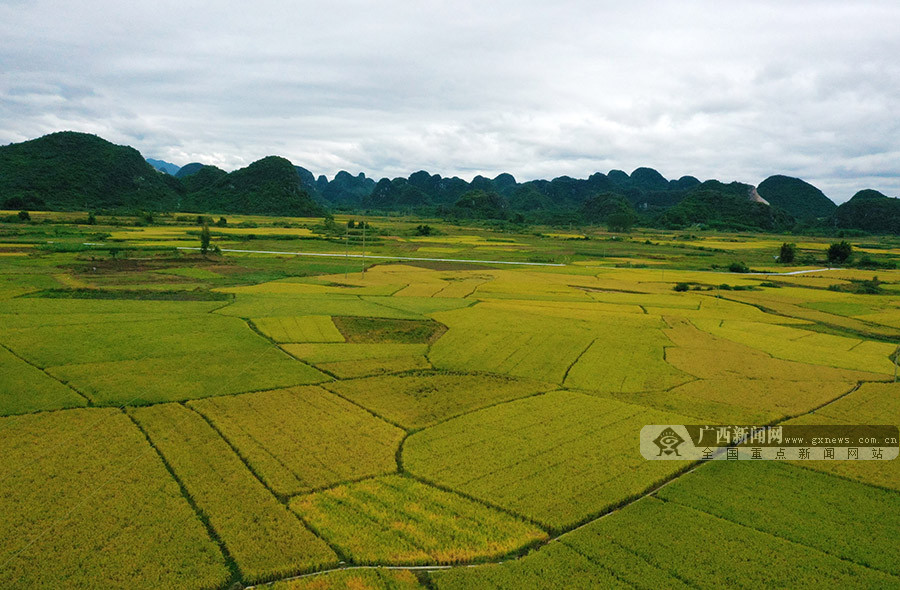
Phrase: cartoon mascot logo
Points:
(668, 441)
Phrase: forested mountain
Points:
(270, 186)
(77, 171)
(189, 169)
(869, 210)
(797, 197)
(69, 170)
(725, 206)
(199, 177)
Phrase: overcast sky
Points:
(535, 88)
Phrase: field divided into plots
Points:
(579, 446)
(276, 415)
(395, 519)
(265, 540)
(356, 579)
(303, 438)
(724, 524)
(44, 392)
(416, 400)
(872, 403)
(139, 352)
(85, 499)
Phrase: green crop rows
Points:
(174, 420)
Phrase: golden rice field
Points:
(397, 519)
(174, 420)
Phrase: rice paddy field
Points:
(453, 411)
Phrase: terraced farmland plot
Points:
(303, 438)
(424, 288)
(191, 272)
(24, 388)
(396, 519)
(888, 317)
(313, 328)
(714, 308)
(418, 400)
(330, 353)
(781, 304)
(524, 285)
(872, 403)
(260, 533)
(709, 357)
(657, 300)
(553, 567)
(304, 287)
(544, 357)
(497, 341)
(516, 339)
(350, 360)
(373, 330)
(370, 367)
(50, 346)
(556, 458)
(799, 505)
(657, 544)
(573, 310)
(86, 503)
(626, 359)
(741, 401)
(260, 305)
(794, 344)
(356, 579)
(463, 287)
(421, 306)
(191, 376)
(37, 309)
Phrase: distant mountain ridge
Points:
(163, 166)
(77, 171)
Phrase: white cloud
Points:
(537, 89)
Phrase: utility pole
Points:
(364, 248)
(347, 251)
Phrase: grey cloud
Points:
(537, 89)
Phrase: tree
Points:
(204, 239)
(222, 222)
(91, 218)
(621, 221)
(840, 252)
(423, 230)
(24, 216)
(788, 253)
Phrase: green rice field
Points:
(212, 422)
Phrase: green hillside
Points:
(268, 186)
(797, 197)
(869, 210)
(725, 206)
(69, 171)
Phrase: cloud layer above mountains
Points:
(538, 89)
